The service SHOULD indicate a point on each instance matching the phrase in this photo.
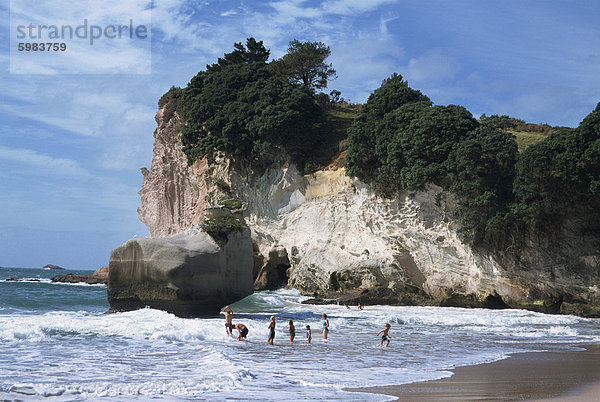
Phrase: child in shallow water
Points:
(386, 336)
(271, 331)
(292, 330)
(308, 334)
(325, 326)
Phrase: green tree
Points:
(304, 64)
(253, 52)
(241, 109)
(558, 173)
(400, 141)
(502, 123)
(370, 134)
(481, 172)
(425, 136)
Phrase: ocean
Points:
(57, 343)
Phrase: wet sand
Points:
(563, 375)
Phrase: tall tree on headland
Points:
(253, 52)
(304, 64)
(239, 108)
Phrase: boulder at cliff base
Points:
(188, 274)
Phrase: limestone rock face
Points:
(344, 242)
(172, 193)
(187, 274)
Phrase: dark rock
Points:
(408, 296)
(273, 274)
(70, 278)
(258, 261)
(52, 266)
(320, 302)
(580, 309)
(14, 279)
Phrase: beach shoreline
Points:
(553, 375)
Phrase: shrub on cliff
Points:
(219, 227)
(238, 107)
(171, 101)
(369, 136)
(560, 172)
(400, 141)
(480, 171)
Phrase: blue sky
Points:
(71, 145)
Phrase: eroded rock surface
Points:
(273, 273)
(188, 274)
(344, 242)
(100, 276)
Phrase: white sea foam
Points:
(151, 353)
(49, 281)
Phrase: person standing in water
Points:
(386, 336)
(292, 330)
(271, 331)
(242, 331)
(308, 334)
(228, 313)
(325, 326)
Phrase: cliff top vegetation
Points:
(508, 176)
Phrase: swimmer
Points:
(242, 330)
(386, 336)
(325, 326)
(271, 331)
(228, 313)
(292, 330)
(308, 334)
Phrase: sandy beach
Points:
(564, 375)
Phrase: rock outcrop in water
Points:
(100, 276)
(344, 242)
(52, 266)
(188, 274)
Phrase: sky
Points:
(77, 127)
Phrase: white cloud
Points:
(84, 112)
(383, 29)
(353, 7)
(120, 157)
(434, 67)
(106, 56)
(41, 164)
(229, 13)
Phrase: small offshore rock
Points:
(52, 266)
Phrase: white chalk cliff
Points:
(345, 242)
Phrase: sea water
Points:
(57, 343)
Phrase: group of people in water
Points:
(291, 329)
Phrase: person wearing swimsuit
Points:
(308, 334)
(228, 313)
(271, 331)
(242, 331)
(292, 330)
(325, 326)
(386, 336)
